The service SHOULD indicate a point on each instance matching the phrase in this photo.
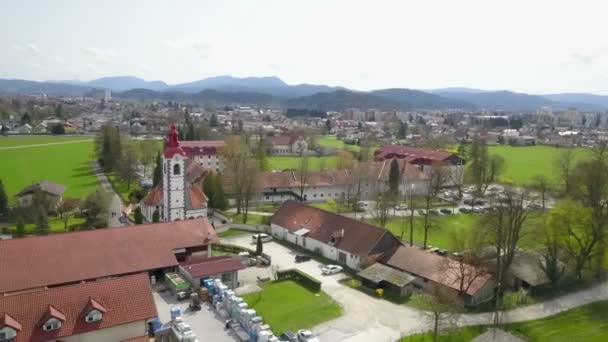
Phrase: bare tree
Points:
(442, 309)
(127, 170)
(437, 178)
(249, 186)
(302, 175)
(564, 165)
(456, 178)
(466, 265)
(483, 169)
(236, 157)
(147, 153)
(383, 207)
(66, 208)
(542, 184)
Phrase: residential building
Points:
(353, 243)
(115, 309)
(53, 193)
(222, 267)
(205, 152)
(289, 145)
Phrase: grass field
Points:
(524, 163)
(314, 163)
(286, 305)
(332, 141)
(447, 225)
(67, 164)
(251, 218)
(55, 225)
(24, 140)
(233, 232)
(587, 323)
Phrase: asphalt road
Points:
(116, 205)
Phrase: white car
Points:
(331, 269)
(307, 336)
(264, 237)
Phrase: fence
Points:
(301, 278)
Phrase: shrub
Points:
(301, 278)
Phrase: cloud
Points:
(585, 59)
(200, 48)
(93, 67)
(107, 53)
(29, 47)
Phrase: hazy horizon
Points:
(538, 47)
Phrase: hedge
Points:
(234, 249)
(301, 278)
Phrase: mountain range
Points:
(272, 90)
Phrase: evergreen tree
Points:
(156, 216)
(262, 157)
(328, 126)
(394, 177)
(20, 230)
(138, 216)
(220, 197)
(209, 189)
(3, 200)
(42, 222)
(26, 119)
(402, 130)
(360, 125)
(259, 248)
(157, 177)
(213, 121)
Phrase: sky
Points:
(533, 46)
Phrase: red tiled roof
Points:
(173, 146)
(203, 267)
(51, 312)
(7, 321)
(350, 235)
(194, 171)
(127, 299)
(63, 258)
(394, 151)
(196, 197)
(94, 305)
(439, 269)
(202, 148)
(155, 196)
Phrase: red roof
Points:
(400, 152)
(70, 257)
(202, 148)
(51, 312)
(172, 148)
(350, 235)
(127, 299)
(439, 269)
(203, 267)
(155, 196)
(7, 321)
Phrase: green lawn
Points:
(440, 235)
(251, 218)
(24, 140)
(67, 164)
(334, 207)
(332, 141)
(56, 225)
(314, 163)
(286, 305)
(524, 163)
(587, 323)
(233, 232)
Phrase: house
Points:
(180, 196)
(63, 259)
(223, 267)
(347, 241)
(115, 309)
(391, 280)
(288, 145)
(522, 140)
(496, 335)
(25, 129)
(473, 284)
(52, 191)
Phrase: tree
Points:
(259, 247)
(213, 121)
(58, 129)
(261, 155)
(564, 165)
(138, 216)
(359, 125)
(20, 229)
(156, 216)
(220, 196)
(302, 176)
(466, 266)
(551, 264)
(146, 154)
(328, 127)
(249, 185)
(438, 175)
(127, 169)
(483, 169)
(209, 189)
(66, 208)
(108, 147)
(59, 111)
(383, 206)
(394, 177)
(26, 119)
(237, 165)
(344, 159)
(402, 133)
(42, 222)
(157, 177)
(96, 208)
(542, 184)
(441, 308)
(3, 200)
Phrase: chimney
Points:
(342, 232)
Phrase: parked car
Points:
(264, 237)
(302, 258)
(478, 210)
(307, 336)
(331, 269)
(400, 207)
(288, 336)
(434, 212)
(421, 212)
(535, 206)
(445, 211)
(464, 210)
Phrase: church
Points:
(181, 195)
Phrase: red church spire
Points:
(173, 147)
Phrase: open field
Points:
(587, 323)
(56, 225)
(332, 141)
(286, 305)
(67, 164)
(24, 140)
(314, 163)
(446, 225)
(524, 163)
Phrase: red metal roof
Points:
(127, 299)
(62, 258)
(203, 267)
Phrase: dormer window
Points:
(8, 327)
(93, 316)
(7, 333)
(51, 324)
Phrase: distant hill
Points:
(236, 83)
(342, 99)
(421, 100)
(119, 83)
(455, 90)
(32, 87)
(205, 96)
(510, 101)
(599, 100)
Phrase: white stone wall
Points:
(198, 213)
(115, 333)
(212, 162)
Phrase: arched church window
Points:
(176, 170)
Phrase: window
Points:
(51, 324)
(93, 316)
(176, 169)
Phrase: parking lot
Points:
(205, 323)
